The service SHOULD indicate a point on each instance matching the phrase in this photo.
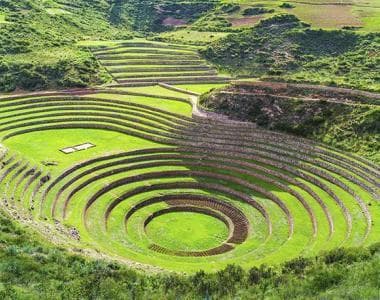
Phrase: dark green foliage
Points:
(117, 15)
(143, 15)
(79, 69)
(297, 265)
(324, 43)
(354, 128)
(287, 5)
(147, 15)
(253, 11)
(326, 279)
(213, 23)
(32, 30)
(31, 270)
(32, 27)
(284, 48)
(187, 10)
(229, 8)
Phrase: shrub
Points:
(252, 11)
(346, 255)
(325, 279)
(287, 5)
(297, 265)
(229, 8)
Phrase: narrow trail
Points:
(346, 102)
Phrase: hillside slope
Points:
(285, 48)
(38, 43)
(31, 269)
(345, 119)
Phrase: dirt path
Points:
(346, 102)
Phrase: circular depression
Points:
(187, 230)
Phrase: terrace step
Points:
(143, 45)
(184, 81)
(147, 50)
(152, 62)
(153, 56)
(171, 74)
(176, 79)
(159, 69)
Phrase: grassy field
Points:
(187, 231)
(43, 147)
(200, 88)
(322, 14)
(2, 18)
(57, 11)
(188, 36)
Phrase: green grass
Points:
(57, 11)
(2, 18)
(44, 146)
(186, 231)
(173, 106)
(326, 14)
(161, 74)
(200, 88)
(187, 36)
(155, 90)
(369, 17)
(354, 273)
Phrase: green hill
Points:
(285, 48)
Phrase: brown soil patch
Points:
(245, 21)
(170, 21)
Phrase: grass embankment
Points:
(26, 261)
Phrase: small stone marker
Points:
(68, 150)
(83, 146)
(76, 148)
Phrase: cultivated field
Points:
(140, 63)
(319, 13)
(170, 186)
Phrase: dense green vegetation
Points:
(284, 48)
(61, 67)
(353, 127)
(32, 269)
(38, 43)
(291, 52)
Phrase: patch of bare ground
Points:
(170, 21)
(245, 21)
(305, 92)
(327, 16)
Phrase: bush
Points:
(325, 279)
(297, 265)
(346, 255)
(253, 11)
(287, 5)
(229, 8)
